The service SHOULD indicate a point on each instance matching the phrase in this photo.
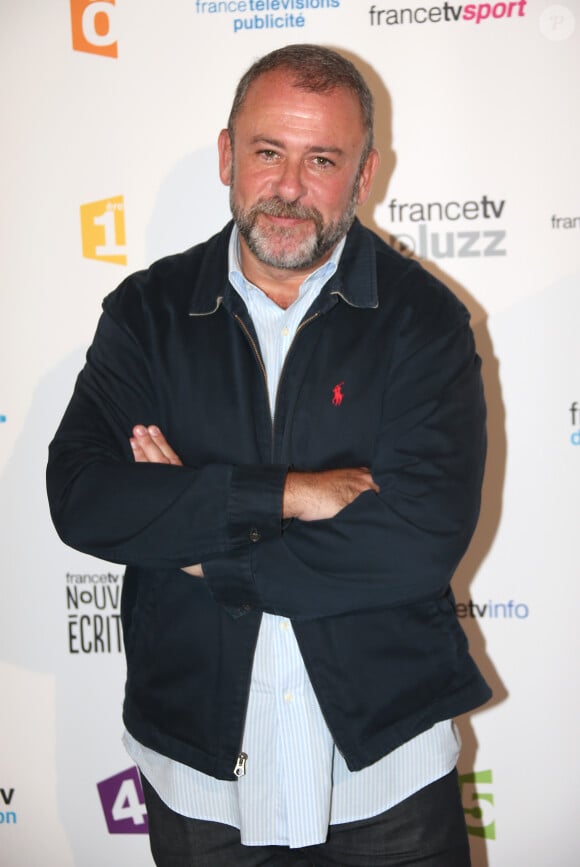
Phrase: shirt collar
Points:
(313, 282)
(355, 281)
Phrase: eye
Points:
(322, 162)
(268, 154)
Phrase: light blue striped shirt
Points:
(296, 781)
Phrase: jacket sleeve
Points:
(157, 516)
(402, 545)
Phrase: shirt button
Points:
(288, 697)
(285, 332)
(285, 626)
(254, 536)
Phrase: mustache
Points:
(276, 207)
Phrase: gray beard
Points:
(304, 253)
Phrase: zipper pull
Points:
(240, 768)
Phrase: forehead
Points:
(273, 103)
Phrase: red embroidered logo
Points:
(337, 395)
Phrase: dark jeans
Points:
(425, 830)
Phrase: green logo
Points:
(478, 804)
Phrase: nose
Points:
(290, 182)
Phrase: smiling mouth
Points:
(290, 212)
(286, 221)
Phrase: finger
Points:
(196, 570)
(163, 446)
(371, 483)
(147, 448)
(138, 453)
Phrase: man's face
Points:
(295, 171)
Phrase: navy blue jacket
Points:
(368, 590)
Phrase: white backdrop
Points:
(111, 110)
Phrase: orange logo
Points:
(93, 26)
(103, 230)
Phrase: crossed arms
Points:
(307, 496)
(330, 542)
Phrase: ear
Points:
(367, 175)
(226, 156)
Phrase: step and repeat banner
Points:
(111, 110)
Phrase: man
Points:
(281, 433)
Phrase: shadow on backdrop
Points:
(492, 494)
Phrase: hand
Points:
(150, 447)
(316, 496)
(196, 570)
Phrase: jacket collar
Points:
(355, 280)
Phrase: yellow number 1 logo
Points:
(103, 230)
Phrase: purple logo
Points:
(123, 803)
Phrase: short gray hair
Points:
(313, 68)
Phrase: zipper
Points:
(242, 758)
(240, 766)
(255, 348)
(296, 333)
(258, 355)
